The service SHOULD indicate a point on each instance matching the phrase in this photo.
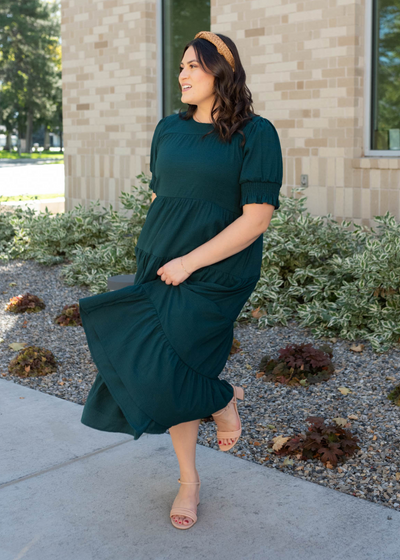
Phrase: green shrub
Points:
(339, 279)
(94, 243)
(338, 282)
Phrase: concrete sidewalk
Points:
(70, 492)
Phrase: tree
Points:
(30, 63)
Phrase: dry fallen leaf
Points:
(344, 390)
(398, 476)
(279, 442)
(358, 348)
(17, 345)
(340, 421)
(353, 416)
(259, 374)
(374, 438)
(256, 313)
(288, 461)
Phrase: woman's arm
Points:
(234, 238)
(153, 196)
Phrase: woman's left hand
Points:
(173, 272)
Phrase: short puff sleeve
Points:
(262, 168)
(153, 154)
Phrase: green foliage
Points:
(338, 282)
(30, 65)
(330, 443)
(56, 157)
(33, 361)
(299, 364)
(95, 243)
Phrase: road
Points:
(32, 177)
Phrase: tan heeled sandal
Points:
(184, 511)
(238, 393)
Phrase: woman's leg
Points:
(184, 439)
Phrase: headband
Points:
(218, 42)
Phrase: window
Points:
(383, 77)
(181, 20)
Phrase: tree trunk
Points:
(8, 145)
(46, 143)
(29, 125)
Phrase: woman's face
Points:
(202, 84)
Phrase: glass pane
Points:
(385, 129)
(182, 19)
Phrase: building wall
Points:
(109, 96)
(305, 68)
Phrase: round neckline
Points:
(201, 123)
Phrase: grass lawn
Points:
(57, 156)
(29, 197)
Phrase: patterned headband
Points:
(218, 42)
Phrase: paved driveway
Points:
(32, 177)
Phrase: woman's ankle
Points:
(189, 476)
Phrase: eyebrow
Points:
(194, 60)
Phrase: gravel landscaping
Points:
(268, 409)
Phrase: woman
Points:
(161, 344)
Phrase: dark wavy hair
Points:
(231, 92)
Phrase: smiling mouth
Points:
(186, 89)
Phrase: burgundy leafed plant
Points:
(33, 361)
(330, 443)
(298, 364)
(28, 303)
(70, 316)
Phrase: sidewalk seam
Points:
(58, 466)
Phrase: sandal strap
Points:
(183, 511)
(182, 482)
(226, 435)
(233, 400)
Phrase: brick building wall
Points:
(304, 62)
(109, 96)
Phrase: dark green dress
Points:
(159, 348)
